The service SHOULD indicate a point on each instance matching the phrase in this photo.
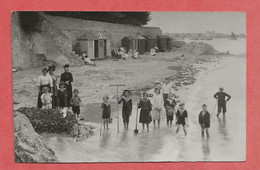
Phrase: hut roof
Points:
(163, 36)
(91, 36)
(135, 37)
(150, 37)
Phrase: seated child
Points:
(46, 98)
(88, 61)
(181, 116)
(75, 103)
(204, 120)
(106, 111)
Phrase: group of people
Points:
(121, 53)
(163, 99)
(61, 96)
(54, 95)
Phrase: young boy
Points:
(75, 103)
(170, 104)
(221, 98)
(106, 111)
(46, 98)
(204, 120)
(181, 118)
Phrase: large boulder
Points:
(52, 121)
(29, 146)
(199, 48)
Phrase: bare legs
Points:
(154, 123)
(184, 129)
(105, 123)
(147, 126)
(202, 132)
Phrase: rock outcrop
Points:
(29, 146)
(52, 121)
(199, 48)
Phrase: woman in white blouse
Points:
(157, 103)
(44, 80)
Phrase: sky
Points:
(199, 22)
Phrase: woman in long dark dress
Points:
(127, 107)
(145, 113)
(54, 88)
(44, 80)
(67, 78)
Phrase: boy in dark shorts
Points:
(106, 111)
(204, 120)
(181, 118)
(75, 103)
(221, 98)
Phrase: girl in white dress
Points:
(158, 104)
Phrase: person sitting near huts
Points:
(123, 53)
(152, 52)
(44, 80)
(156, 49)
(87, 60)
(114, 54)
(46, 98)
(130, 53)
(136, 55)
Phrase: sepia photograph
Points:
(127, 86)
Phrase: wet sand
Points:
(227, 140)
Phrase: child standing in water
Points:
(106, 111)
(157, 104)
(145, 114)
(181, 118)
(204, 120)
(75, 103)
(46, 98)
(170, 104)
(166, 89)
(127, 107)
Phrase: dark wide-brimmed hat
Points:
(66, 66)
(53, 67)
(126, 91)
(44, 69)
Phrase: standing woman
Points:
(54, 88)
(44, 80)
(157, 103)
(127, 107)
(67, 78)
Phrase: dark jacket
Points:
(204, 119)
(221, 96)
(127, 105)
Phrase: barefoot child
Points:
(157, 104)
(181, 118)
(127, 107)
(204, 120)
(75, 103)
(221, 99)
(170, 104)
(106, 111)
(46, 98)
(145, 114)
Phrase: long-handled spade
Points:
(136, 130)
(101, 126)
(117, 85)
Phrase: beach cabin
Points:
(94, 44)
(150, 42)
(164, 43)
(136, 42)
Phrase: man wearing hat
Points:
(67, 78)
(221, 98)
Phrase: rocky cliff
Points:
(29, 146)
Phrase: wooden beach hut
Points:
(164, 43)
(150, 42)
(136, 42)
(94, 44)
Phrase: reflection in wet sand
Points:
(205, 149)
